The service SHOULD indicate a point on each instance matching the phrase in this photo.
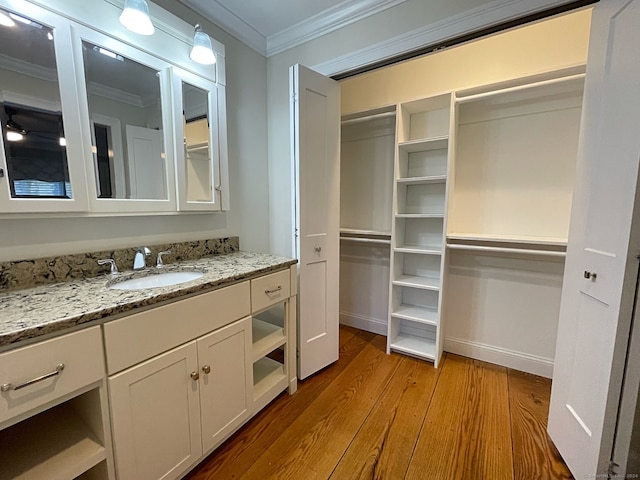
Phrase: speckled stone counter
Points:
(29, 313)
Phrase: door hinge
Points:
(294, 97)
(1, 172)
(611, 472)
(296, 233)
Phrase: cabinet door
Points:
(315, 133)
(601, 270)
(155, 416)
(226, 381)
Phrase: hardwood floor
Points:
(377, 416)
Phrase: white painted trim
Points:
(496, 12)
(363, 323)
(229, 21)
(30, 69)
(524, 362)
(329, 20)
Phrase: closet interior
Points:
(454, 219)
(366, 189)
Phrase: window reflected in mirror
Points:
(125, 109)
(196, 125)
(30, 110)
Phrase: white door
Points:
(147, 178)
(601, 266)
(315, 134)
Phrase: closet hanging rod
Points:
(375, 116)
(366, 240)
(523, 251)
(517, 88)
(355, 232)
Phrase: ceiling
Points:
(272, 26)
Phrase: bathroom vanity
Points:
(142, 384)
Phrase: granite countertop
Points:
(47, 309)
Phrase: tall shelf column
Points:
(419, 226)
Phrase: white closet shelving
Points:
(515, 155)
(419, 224)
(368, 145)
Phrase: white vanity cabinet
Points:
(185, 375)
(168, 411)
(53, 410)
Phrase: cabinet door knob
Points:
(195, 375)
(206, 369)
(590, 275)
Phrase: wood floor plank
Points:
(534, 454)
(467, 431)
(312, 446)
(239, 452)
(382, 448)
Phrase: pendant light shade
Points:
(202, 51)
(135, 17)
(6, 21)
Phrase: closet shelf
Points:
(422, 180)
(496, 238)
(419, 215)
(416, 346)
(375, 241)
(426, 144)
(417, 314)
(424, 283)
(365, 233)
(420, 249)
(368, 118)
(509, 250)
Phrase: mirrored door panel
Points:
(197, 145)
(197, 156)
(31, 112)
(124, 100)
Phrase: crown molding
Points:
(230, 22)
(329, 20)
(29, 69)
(493, 13)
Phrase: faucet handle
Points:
(159, 262)
(112, 262)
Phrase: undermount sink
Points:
(156, 280)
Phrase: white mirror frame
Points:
(113, 205)
(69, 94)
(178, 77)
(169, 46)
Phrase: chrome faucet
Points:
(139, 259)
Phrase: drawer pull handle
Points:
(8, 386)
(274, 290)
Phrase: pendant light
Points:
(202, 51)
(135, 17)
(6, 21)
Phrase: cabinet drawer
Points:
(269, 290)
(140, 336)
(80, 353)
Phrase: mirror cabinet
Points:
(92, 124)
(198, 146)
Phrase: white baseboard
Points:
(363, 323)
(500, 356)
